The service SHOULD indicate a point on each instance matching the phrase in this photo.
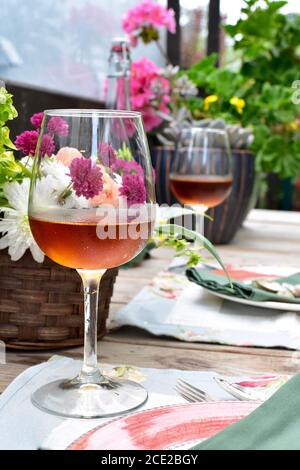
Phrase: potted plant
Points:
(256, 95)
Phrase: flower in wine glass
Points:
(87, 177)
(109, 195)
(36, 120)
(127, 167)
(47, 146)
(58, 126)
(133, 188)
(106, 154)
(143, 20)
(66, 155)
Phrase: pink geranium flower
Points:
(150, 92)
(86, 177)
(143, 20)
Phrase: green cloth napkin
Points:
(215, 283)
(275, 425)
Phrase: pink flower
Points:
(58, 126)
(106, 154)
(131, 167)
(86, 177)
(26, 142)
(133, 188)
(109, 194)
(124, 128)
(47, 145)
(36, 120)
(144, 19)
(150, 92)
(66, 155)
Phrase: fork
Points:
(191, 393)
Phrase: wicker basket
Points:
(41, 305)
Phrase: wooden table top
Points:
(267, 238)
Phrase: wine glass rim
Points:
(195, 129)
(102, 113)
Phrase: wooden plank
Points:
(225, 362)
(228, 361)
(274, 217)
(131, 335)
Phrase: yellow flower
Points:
(292, 126)
(209, 100)
(239, 103)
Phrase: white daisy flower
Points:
(58, 179)
(14, 226)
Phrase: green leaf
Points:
(124, 153)
(199, 72)
(10, 169)
(172, 229)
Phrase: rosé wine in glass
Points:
(91, 208)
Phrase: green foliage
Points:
(178, 234)
(124, 153)
(7, 112)
(10, 169)
(267, 42)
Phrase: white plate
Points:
(286, 306)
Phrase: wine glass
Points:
(91, 208)
(201, 173)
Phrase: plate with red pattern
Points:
(168, 427)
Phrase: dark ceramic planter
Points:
(228, 217)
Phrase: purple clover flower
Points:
(133, 188)
(36, 120)
(58, 126)
(47, 146)
(107, 154)
(123, 167)
(86, 177)
(27, 141)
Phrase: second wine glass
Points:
(201, 173)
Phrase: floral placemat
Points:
(170, 305)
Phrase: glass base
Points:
(75, 399)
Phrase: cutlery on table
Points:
(194, 394)
(191, 393)
(253, 389)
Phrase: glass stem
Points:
(199, 223)
(90, 372)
